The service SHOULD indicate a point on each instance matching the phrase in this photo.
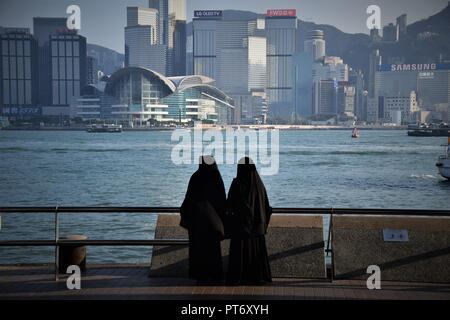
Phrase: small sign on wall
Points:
(395, 235)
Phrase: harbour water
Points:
(318, 168)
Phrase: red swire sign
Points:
(281, 13)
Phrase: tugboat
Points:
(443, 162)
(355, 133)
(104, 128)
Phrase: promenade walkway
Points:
(132, 282)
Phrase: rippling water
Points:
(382, 169)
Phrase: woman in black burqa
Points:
(201, 213)
(247, 221)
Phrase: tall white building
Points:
(142, 47)
(325, 74)
(331, 68)
(257, 63)
(281, 31)
(406, 105)
(137, 16)
(172, 32)
(232, 51)
(315, 44)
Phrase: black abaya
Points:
(201, 214)
(247, 221)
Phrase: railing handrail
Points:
(287, 210)
(51, 243)
(176, 242)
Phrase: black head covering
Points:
(205, 203)
(207, 163)
(248, 202)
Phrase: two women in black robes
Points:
(248, 218)
(202, 213)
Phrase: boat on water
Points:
(113, 128)
(426, 130)
(443, 163)
(355, 133)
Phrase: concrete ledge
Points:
(358, 242)
(295, 246)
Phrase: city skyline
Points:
(13, 15)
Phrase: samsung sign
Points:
(208, 14)
(415, 67)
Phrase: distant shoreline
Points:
(254, 127)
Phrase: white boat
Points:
(355, 133)
(104, 128)
(443, 163)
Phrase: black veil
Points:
(248, 203)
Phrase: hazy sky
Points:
(102, 21)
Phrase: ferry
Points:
(104, 128)
(443, 162)
(355, 133)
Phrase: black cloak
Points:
(247, 221)
(248, 206)
(201, 214)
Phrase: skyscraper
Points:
(281, 28)
(19, 83)
(303, 83)
(402, 25)
(374, 65)
(390, 33)
(68, 67)
(315, 44)
(232, 50)
(172, 32)
(142, 47)
(325, 97)
(91, 70)
(43, 28)
(346, 99)
(356, 79)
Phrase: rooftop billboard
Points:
(281, 13)
(397, 67)
(207, 13)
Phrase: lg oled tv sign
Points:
(208, 14)
(281, 13)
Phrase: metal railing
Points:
(183, 242)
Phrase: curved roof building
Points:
(141, 95)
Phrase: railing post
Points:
(56, 243)
(330, 226)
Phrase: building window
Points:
(62, 68)
(5, 70)
(27, 68)
(76, 68)
(54, 68)
(62, 49)
(20, 68)
(5, 92)
(62, 92)
(54, 48)
(28, 92)
(12, 48)
(21, 91)
(13, 92)
(27, 48)
(13, 73)
(5, 47)
(69, 68)
(69, 48)
(76, 49)
(55, 92)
